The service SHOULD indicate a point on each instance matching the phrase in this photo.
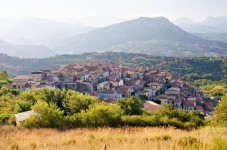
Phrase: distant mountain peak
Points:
(184, 20)
(153, 19)
(144, 34)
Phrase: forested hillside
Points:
(188, 68)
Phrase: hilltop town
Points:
(110, 82)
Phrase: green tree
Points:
(48, 116)
(4, 75)
(220, 112)
(74, 102)
(130, 106)
(101, 114)
(143, 97)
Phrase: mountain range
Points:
(157, 36)
(208, 25)
(38, 31)
(38, 38)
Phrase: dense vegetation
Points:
(214, 88)
(4, 77)
(67, 109)
(220, 113)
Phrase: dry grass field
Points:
(114, 138)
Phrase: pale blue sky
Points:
(98, 12)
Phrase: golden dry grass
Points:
(114, 138)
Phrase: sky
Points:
(104, 12)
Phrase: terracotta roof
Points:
(209, 105)
(144, 92)
(130, 72)
(93, 93)
(190, 103)
(177, 100)
(111, 100)
(163, 96)
(175, 95)
(199, 108)
(180, 81)
(174, 89)
(155, 83)
(151, 106)
(22, 77)
(124, 87)
(108, 92)
(21, 83)
(55, 71)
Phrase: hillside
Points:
(25, 51)
(26, 30)
(157, 36)
(190, 68)
(222, 37)
(17, 66)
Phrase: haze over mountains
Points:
(33, 37)
(37, 31)
(208, 25)
(25, 51)
(36, 37)
(157, 36)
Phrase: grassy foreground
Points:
(114, 138)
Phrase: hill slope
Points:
(25, 51)
(37, 31)
(156, 36)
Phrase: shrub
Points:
(49, 116)
(134, 120)
(220, 112)
(130, 106)
(101, 114)
(3, 82)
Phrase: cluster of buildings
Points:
(110, 82)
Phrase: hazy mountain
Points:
(217, 22)
(156, 36)
(208, 25)
(25, 51)
(222, 37)
(184, 20)
(37, 31)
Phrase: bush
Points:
(101, 114)
(220, 112)
(140, 120)
(143, 97)
(3, 82)
(48, 116)
(74, 102)
(134, 120)
(130, 106)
